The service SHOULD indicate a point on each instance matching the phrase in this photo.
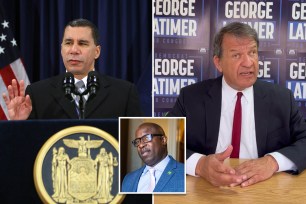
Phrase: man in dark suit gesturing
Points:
(46, 99)
(271, 130)
(162, 173)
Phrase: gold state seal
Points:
(78, 165)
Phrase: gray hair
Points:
(237, 29)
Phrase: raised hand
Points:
(18, 105)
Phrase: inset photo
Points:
(152, 155)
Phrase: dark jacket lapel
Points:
(213, 113)
(261, 111)
(59, 96)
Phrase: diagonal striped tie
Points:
(80, 101)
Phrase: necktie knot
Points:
(80, 86)
(152, 171)
(239, 95)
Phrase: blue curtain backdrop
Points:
(125, 28)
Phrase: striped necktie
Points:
(80, 100)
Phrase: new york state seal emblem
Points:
(78, 165)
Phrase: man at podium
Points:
(61, 97)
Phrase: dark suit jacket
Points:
(114, 98)
(171, 180)
(279, 124)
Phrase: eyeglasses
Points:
(145, 139)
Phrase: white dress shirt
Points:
(248, 144)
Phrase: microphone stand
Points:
(82, 104)
(69, 89)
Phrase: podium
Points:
(20, 142)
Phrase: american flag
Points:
(11, 65)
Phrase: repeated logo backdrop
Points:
(184, 32)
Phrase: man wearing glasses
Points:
(161, 173)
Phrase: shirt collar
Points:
(159, 166)
(230, 93)
(84, 80)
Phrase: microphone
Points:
(68, 85)
(93, 84)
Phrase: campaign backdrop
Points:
(183, 37)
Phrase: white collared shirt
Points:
(144, 180)
(248, 144)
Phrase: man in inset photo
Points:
(160, 172)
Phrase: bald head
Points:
(154, 151)
(152, 127)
